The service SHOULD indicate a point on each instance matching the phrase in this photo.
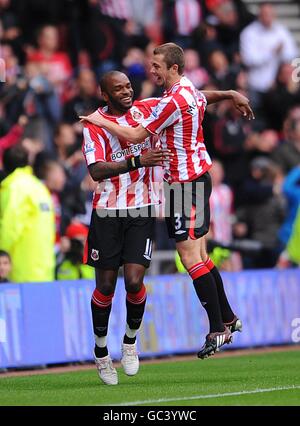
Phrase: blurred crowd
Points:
(54, 54)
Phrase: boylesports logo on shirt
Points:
(131, 150)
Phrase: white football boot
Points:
(130, 360)
(107, 373)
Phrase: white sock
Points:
(130, 332)
(101, 342)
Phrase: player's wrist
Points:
(134, 163)
(231, 94)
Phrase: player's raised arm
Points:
(240, 101)
(132, 134)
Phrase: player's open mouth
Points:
(127, 99)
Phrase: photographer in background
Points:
(70, 266)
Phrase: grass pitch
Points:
(260, 379)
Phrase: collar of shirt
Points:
(172, 89)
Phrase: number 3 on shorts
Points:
(178, 223)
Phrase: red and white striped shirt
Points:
(177, 119)
(128, 190)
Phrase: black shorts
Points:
(187, 212)
(113, 241)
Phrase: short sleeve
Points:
(93, 146)
(202, 99)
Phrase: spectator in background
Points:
(222, 74)
(230, 134)
(33, 146)
(52, 173)
(193, 71)
(65, 144)
(144, 22)
(180, 18)
(8, 17)
(284, 94)
(263, 210)
(32, 94)
(231, 17)
(56, 65)
(107, 39)
(12, 85)
(291, 190)
(205, 39)
(134, 67)
(221, 205)
(287, 154)
(10, 31)
(68, 155)
(264, 44)
(222, 218)
(68, 152)
(5, 266)
(13, 137)
(27, 229)
(33, 14)
(292, 114)
(71, 266)
(262, 142)
(70, 17)
(86, 100)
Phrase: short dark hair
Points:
(104, 81)
(43, 163)
(4, 254)
(173, 54)
(15, 157)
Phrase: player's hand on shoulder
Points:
(94, 118)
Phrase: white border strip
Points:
(217, 395)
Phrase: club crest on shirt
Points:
(95, 254)
(137, 115)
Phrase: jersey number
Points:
(178, 223)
